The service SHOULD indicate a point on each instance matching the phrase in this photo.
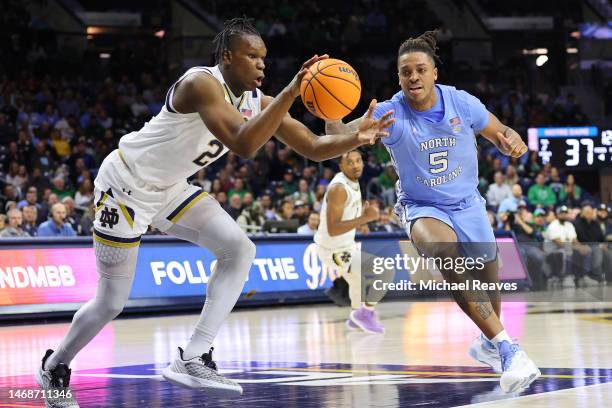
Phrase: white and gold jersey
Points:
(352, 210)
(173, 146)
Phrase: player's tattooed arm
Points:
(506, 139)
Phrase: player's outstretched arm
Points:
(334, 127)
(507, 140)
(336, 198)
(203, 94)
(319, 148)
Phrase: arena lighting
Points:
(572, 50)
(160, 34)
(104, 55)
(94, 30)
(535, 51)
(541, 60)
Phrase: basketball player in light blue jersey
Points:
(433, 148)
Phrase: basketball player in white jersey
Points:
(208, 111)
(341, 214)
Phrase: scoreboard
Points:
(583, 147)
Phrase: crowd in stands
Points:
(56, 129)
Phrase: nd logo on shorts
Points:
(114, 217)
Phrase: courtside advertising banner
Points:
(54, 275)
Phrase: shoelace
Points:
(208, 361)
(60, 376)
(506, 358)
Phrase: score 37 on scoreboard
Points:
(581, 147)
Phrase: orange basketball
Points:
(330, 89)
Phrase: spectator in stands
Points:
(570, 194)
(510, 204)
(56, 227)
(387, 184)
(498, 191)
(289, 184)
(266, 206)
(235, 206)
(562, 239)
(533, 166)
(13, 229)
(384, 223)
(201, 180)
(311, 226)
(511, 177)
(252, 218)
(30, 217)
(286, 211)
(589, 232)
(83, 198)
(31, 198)
(300, 212)
(239, 189)
(554, 181)
(2, 222)
(539, 223)
(605, 221)
(523, 226)
(540, 194)
(9, 194)
(72, 217)
(61, 189)
(304, 193)
(87, 220)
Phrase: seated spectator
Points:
(252, 218)
(311, 226)
(523, 226)
(31, 198)
(387, 183)
(300, 212)
(555, 180)
(498, 191)
(13, 229)
(72, 217)
(2, 222)
(235, 206)
(56, 227)
(30, 217)
(570, 194)
(605, 221)
(304, 194)
(511, 176)
(562, 239)
(540, 194)
(589, 232)
(289, 184)
(511, 203)
(201, 180)
(84, 195)
(285, 212)
(239, 188)
(60, 189)
(384, 223)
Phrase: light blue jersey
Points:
(434, 152)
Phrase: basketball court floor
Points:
(304, 356)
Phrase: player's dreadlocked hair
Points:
(232, 29)
(426, 43)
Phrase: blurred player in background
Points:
(433, 148)
(341, 215)
(207, 112)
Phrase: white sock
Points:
(501, 336)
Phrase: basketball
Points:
(330, 89)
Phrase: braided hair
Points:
(232, 29)
(426, 43)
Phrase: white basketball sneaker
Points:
(518, 369)
(485, 351)
(200, 373)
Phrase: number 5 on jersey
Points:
(440, 160)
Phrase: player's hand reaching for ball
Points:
(511, 144)
(370, 213)
(370, 129)
(294, 86)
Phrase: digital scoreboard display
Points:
(582, 147)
